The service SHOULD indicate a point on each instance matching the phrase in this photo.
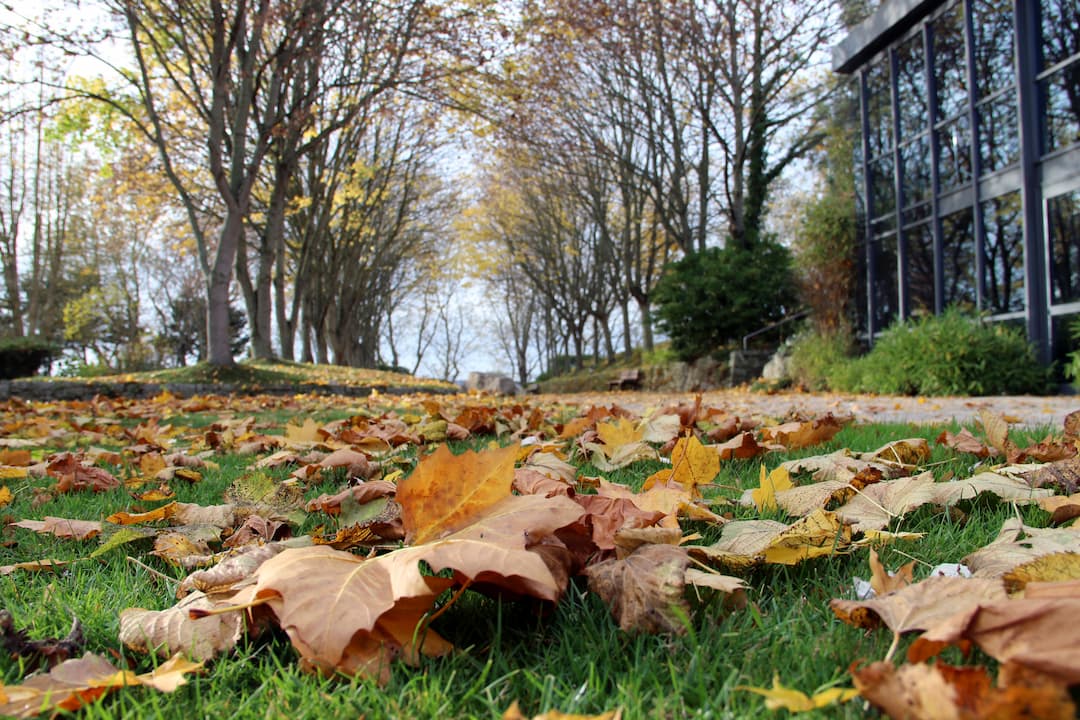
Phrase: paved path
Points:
(1028, 410)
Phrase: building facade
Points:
(968, 173)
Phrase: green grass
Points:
(264, 373)
(571, 657)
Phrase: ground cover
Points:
(582, 559)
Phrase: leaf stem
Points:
(198, 613)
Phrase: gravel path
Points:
(1032, 411)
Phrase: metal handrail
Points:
(790, 318)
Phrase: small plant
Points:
(816, 356)
(1072, 366)
(949, 354)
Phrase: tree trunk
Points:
(217, 291)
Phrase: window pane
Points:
(954, 153)
(882, 186)
(1004, 258)
(1061, 98)
(999, 137)
(915, 166)
(958, 255)
(878, 104)
(885, 297)
(950, 66)
(1063, 213)
(1060, 30)
(911, 100)
(993, 22)
(920, 274)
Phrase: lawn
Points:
(260, 455)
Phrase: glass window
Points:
(886, 307)
(911, 99)
(958, 256)
(878, 108)
(920, 271)
(1061, 107)
(882, 186)
(915, 175)
(994, 56)
(1060, 30)
(1063, 229)
(999, 136)
(950, 65)
(954, 153)
(1004, 254)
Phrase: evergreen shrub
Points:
(715, 296)
(950, 354)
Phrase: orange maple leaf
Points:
(446, 492)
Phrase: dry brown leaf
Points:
(1063, 475)
(552, 465)
(1037, 633)
(919, 606)
(361, 493)
(739, 447)
(446, 492)
(170, 631)
(795, 435)
(646, 591)
(621, 456)
(943, 692)
(234, 569)
(1004, 486)
(220, 516)
(607, 515)
(905, 453)
(63, 528)
(528, 481)
(1061, 508)
(882, 581)
(875, 506)
(1017, 544)
(493, 551)
(345, 614)
(75, 683)
(965, 442)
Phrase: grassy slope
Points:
(256, 373)
(573, 659)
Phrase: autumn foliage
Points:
(415, 525)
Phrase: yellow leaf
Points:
(5, 496)
(306, 433)
(764, 497)
(693, 464)
(618, 433)
(779, 697)
(12, 473)
(818, 534)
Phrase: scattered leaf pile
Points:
(358, 577)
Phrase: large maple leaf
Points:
(446, 492)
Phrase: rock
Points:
(494, 383)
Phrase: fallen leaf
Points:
(63, 528)
(1063, 475)
(943, 692)
(779, 697)
(173, 630)
(919, 606)
(645, 591)
(764, 496)
(446, 491)
(514, 713)
(1017, 544)
(796, 435)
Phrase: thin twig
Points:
(152, 571)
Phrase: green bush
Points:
(951, 354)
(716, 296)
(21, 357)
(816, 357)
